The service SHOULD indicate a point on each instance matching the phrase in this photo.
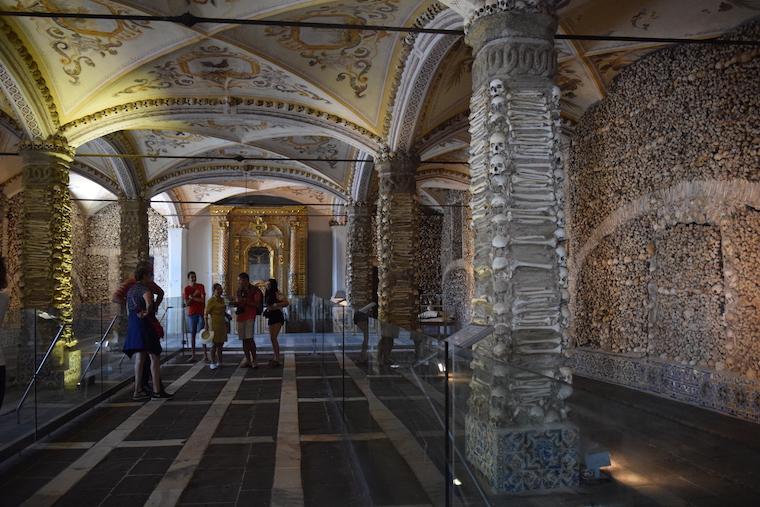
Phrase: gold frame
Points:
(241, 235)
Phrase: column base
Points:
(524, 459)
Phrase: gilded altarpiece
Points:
(240, 234)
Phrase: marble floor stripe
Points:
(406, 444)
(260, 379)
(177, 477)
(48, 494)
(223, 379)
(287, 490)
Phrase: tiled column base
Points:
(516, 460)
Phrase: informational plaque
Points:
(469, 335)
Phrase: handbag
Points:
(156, 326)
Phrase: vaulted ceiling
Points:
(212, 90)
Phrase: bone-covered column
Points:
(224, 252)
(135, 244)
(46, 231)
(516, 404)
(359, 249)
(396, 233)
(293, 259)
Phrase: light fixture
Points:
(457, 482)
(441, 368)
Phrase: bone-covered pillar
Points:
(224, 253)
(359, 260)
(293, 259)
(135, 245)
(396, 234)
(517, 433)
(46, 231)
(456, 255)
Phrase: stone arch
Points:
(200, 173)
(419, 70)
(23, 83)
(148, 113)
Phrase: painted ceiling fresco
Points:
(344, 77)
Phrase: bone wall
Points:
(428, 262)
(664, 215)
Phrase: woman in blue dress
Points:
(142, 340)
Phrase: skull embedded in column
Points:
(497, 87)
(498, 165)
(498, 143)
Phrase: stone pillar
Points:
(224, 254)
(396, 217)
(46, 232)
(297, 244)
(135, 245)
(517, 433)
(359, 253)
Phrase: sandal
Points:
(162, 395)
(274, 363)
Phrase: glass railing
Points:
(469, 445)
(55, 372)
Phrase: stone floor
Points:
(308, 435)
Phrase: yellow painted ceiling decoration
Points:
(232, 90)
(352, 52)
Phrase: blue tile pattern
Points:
(515, 460)
(724, 392)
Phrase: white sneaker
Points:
(213, 366)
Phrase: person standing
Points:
(195, 300)
(120, 297)
(247, 302)
(216, 314)
(142, 340)
(274, 302)
(4, 300)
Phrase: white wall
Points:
(320, 253)
(198, 253)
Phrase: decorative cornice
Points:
(188, 174)
(426, 173)
(33, 69)
(527, 6)
(55, 144)
(227, 105)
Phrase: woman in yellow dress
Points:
(216, 319)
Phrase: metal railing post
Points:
(33, 380)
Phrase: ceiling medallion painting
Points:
(75, 40)
(350, 51)
(218, 67)
(314, 147)
(158, 141)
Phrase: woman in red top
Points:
(195, 300)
